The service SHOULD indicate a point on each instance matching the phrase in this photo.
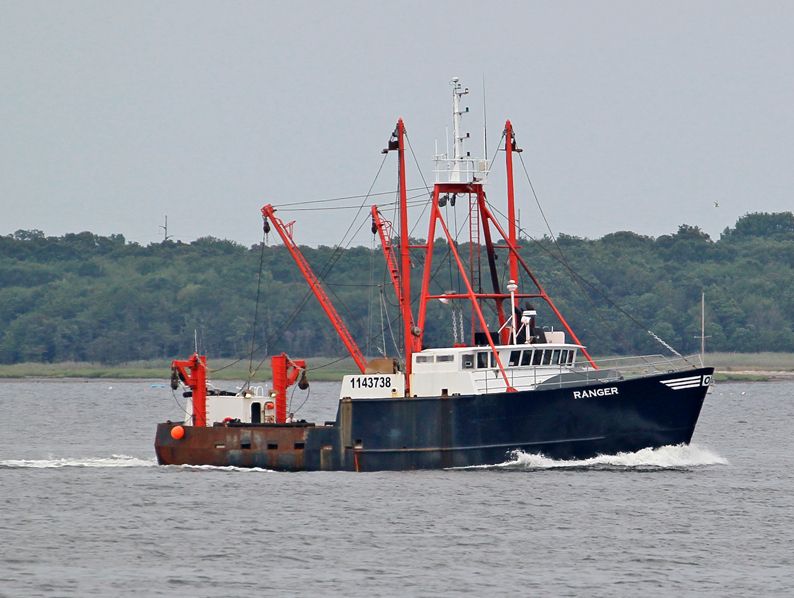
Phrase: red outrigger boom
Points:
(285, 232)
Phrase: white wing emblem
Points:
(689, 382)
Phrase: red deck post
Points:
(278, 364)
(193, 372)
(286, 372)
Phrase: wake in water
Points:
(666, 457)
(222, 468)
(112, 461)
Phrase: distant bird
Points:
(716, 204)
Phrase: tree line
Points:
(85, 297)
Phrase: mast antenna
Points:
(458, 156)
(166, 236)
(484, 122)
(702, 336)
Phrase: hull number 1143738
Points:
(371, 382)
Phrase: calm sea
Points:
(85, 511)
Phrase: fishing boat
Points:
(503, 384)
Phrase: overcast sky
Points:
(632, 115)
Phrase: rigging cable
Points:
(568, 266)
(305, 299)
(427, 188)
(580, 280)
(299, 407)
(391, 332)
(342, 358)
(256, 310)
(335, 255)
(409, 201)
(312, 201)
(178, 404)
(369, 299)
(382, 346)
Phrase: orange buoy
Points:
(177, 432)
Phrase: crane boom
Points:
(385, 231)
(285, 232)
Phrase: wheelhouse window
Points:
(571, 355)
(515, 358)
(482, 359)
(555, 357)
(546, 357)
(526, 358)
(563, 357)
(424, 359)
(467, 361)
(445, 358)
(536, 358)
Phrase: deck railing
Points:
(644, 365)
(609, 370)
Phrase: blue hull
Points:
(459, 431)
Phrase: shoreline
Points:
(745, 368)
(753, 375)
(319, 371)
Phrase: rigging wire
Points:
(409, 202)
(256, 308)
(178, 404)
(331, 199)
(369, 299)
(427, 188)
(331, 262)
(335, 256)
(567, 265)
(330, 290)
(391, 332)
(327, 267)
(582, 282)
(344, 357)
(303, 302)
(299, 407)
(338, 249)
(540, 209)
(382, 307)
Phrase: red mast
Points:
(465, 176)
(405, 260)
(403, 279)
(510, 145)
